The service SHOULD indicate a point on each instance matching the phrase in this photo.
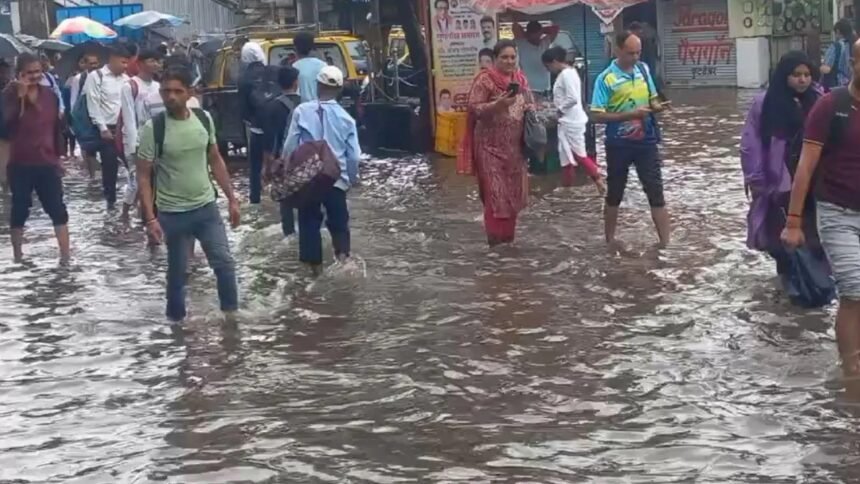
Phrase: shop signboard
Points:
(459, 33)
(697, 49)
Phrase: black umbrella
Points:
(211, 46)
(11, 47)
(68, 63)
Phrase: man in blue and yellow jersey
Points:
(625, 100)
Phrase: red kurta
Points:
(500, 163)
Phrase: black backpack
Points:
(291, 106)
(844, 104)
(264, 88)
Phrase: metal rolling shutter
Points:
(697, 49)
(586, 35)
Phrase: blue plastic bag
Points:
(809, 283)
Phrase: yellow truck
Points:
(221, 94)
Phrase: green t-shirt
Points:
(182, 179)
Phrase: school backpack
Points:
(291, 105)
(309, 173)
(86, 132)
(844, 103)
(264, 88)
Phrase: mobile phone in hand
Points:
(514, 88)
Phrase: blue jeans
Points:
(337, 221)
(180, 230)
(255, 157)
(288, 219)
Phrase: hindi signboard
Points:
(459, 35)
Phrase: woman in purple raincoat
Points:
(770, 150)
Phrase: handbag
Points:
(309, 173)
(809, 283)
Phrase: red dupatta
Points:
(466, 153)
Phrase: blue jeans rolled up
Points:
(180, 230)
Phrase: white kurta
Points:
(567, 96)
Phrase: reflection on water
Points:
(432, 358)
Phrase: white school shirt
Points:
(567, 97)
(104, 96)
(136, 111)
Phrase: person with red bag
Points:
(326, 120)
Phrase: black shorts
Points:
(646, 159)
(47, 182)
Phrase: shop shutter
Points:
(697, 49)
(586, 35)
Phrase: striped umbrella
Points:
(83, 25)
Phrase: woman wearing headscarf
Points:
(493, 145)
(770, 149)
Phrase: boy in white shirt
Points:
(572, 121)
(141, 101)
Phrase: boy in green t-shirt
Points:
(185, 195)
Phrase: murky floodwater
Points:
(551, 361)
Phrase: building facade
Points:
(696, 47)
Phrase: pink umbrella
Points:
(83, 25)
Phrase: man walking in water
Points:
(625, 99)
(103, 89)
(277, 119)
(141, 101)
(32, 115)
(830, 153)
(326, 120)
(180, 146)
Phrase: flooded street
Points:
(550, 361)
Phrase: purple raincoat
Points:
(766, 173)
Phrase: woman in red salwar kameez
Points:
(493, 144)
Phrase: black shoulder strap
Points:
(291, 106)
(159, 125)
(844, 104)
(82, 82)
(838, 60)
(646, 74)
(287, 102)
(204, 120)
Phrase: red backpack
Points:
(308, 174)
